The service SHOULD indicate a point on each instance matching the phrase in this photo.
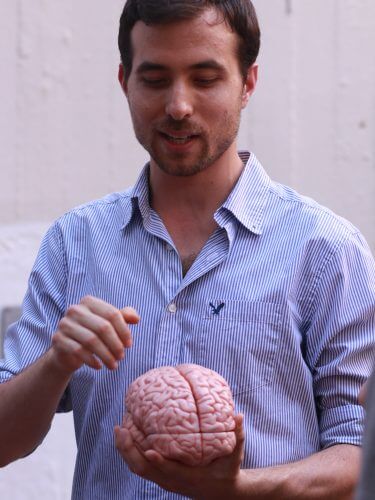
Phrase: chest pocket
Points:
(239, 340)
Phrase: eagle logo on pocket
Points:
(216, 310)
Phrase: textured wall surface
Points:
(65, 137)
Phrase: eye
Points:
(154, 82)
(206, 82)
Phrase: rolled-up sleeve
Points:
(43, 306)
(341, 339)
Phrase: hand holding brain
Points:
(185, 413)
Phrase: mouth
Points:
(179, 139)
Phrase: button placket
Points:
(167, 346)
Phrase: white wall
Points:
(65, 137)
(312, 121)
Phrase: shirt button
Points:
(168, 247)
(172, 308)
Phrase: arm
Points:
(329, 474)
(28, 403)
(93, 333)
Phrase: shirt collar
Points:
(246, 201)
(138, 198)
(248, 198)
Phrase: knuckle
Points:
(77, 350)
(91, 343)
(56, 338)
(114, 315)
(87, 299)
(63, 324)
(126, 330)
(73, 310)
(105, 328)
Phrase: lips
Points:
(178, 139)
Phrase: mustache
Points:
(169, 124)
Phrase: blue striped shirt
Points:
(294, 336)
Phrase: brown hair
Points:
(240, 16)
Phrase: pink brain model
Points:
(184, 412)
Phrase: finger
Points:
(130, 315)
(90, 315)
(170, 468)
(154, 457)
(89, 340)
(71, 354)
(239, 430)
(123, 438)
(103, 328)
(115, 318)
(120, 438)
(132, 456)
(229, 465)
(238, 451)
(139, 463)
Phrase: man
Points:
(203, 230)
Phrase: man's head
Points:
(185, 82)
(239, 15)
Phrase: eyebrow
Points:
(147, 66)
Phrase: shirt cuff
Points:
(342, 425)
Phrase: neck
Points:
(187, 204)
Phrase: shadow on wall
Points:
(8, 315)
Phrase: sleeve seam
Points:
(60, 241)
(312, 301)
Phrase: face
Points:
(186, 92)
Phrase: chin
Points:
(179, 170)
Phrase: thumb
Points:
(238, 452)
(130, 315)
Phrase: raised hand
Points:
(94, 333)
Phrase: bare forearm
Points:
(92, 332)
(28, 404)
(330, 474)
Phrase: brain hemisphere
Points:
(184, 412)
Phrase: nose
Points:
(179, 102)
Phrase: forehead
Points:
(185, 42)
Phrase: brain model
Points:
(184, 412)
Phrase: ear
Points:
(250, 84)
(121, 79)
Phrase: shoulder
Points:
(308, 217)
(106, 204)
(320, 240)
(113, 208)
(92, 223)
